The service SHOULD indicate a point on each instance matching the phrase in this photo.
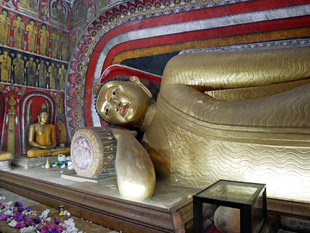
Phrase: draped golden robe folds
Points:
(236, 115)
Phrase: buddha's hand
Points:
(118, 131)
(48, 147)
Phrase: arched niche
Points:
(30, 105)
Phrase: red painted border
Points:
(183, 17)
(208, 34)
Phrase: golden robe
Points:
(238, 116)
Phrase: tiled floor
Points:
(82, 225)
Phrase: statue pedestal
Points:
(26, 163)
(71, 175)
(169, 210)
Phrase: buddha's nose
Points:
(116, 104)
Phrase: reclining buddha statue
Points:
(42, 138)
(241, 115)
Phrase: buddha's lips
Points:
(124, 108)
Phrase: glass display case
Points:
(230, 207)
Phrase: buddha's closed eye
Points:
(107, 109)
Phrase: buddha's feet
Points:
(36, 152)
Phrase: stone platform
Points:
(169, 210)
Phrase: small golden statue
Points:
(4, 155)
(42, 138)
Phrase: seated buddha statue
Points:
(42, 138)
(241, 115)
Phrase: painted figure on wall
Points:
(62, 74)
(19, 31)
(91, 10)
(55, 44)
(5, 24)
(60, 104)
(31, 67)
(52, 70)
(63, 132)
(44, 12)
(42, 69)
(28, 4)
(64, 46)
(44, 37)
(58, 12)
(6, 63)
(32, 36)
(25, 4)
(19, 72)
(79, 11)
(42, 138)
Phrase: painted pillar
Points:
(11, 131)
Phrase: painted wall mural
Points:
(67, 14)
(25, 33)
(35, 43)
(33, 63)
(21, 68)
(137, 29)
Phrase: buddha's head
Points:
(124, 103)
(43, 117)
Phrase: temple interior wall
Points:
(145, 35)
(85, 39)
(37, 38)
(82, 39)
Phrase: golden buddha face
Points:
(123, 103)
(43, 118)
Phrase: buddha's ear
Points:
(144, 88)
